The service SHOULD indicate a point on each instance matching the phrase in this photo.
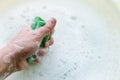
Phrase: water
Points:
(84, 45)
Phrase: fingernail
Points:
(51, 22)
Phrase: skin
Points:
(23, 45)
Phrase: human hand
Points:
(26, 42)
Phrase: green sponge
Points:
(37, 23)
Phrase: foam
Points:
(6, 58)
(85, 46)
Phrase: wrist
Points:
(6, 55)
(7, 61)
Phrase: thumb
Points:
(43, 31)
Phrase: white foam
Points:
(85, 46)
(7, 58)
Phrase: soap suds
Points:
(82, 34)
(44, 7)
(73, 17)
(7, 58)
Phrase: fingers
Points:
(37, 60)
(50, 24)
(42, 51)
(49, 43)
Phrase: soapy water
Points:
(84, 45)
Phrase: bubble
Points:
(11, 18)
(73, 18)
(65, 74)
(99, 57)
(82, 26)
(44, 7)
(7, 59)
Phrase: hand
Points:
(26, 42)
